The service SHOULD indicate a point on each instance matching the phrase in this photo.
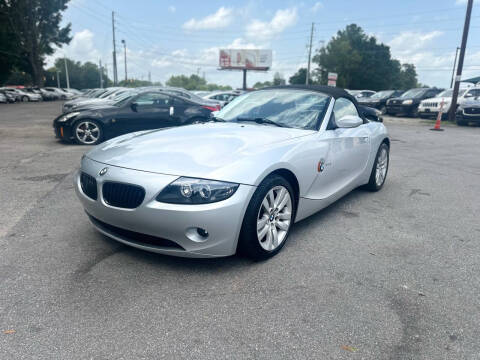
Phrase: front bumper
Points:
(401, 109)
(173, 222)
(63, 131)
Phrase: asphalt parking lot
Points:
(388, 275)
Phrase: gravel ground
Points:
(388, 275)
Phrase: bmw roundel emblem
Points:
(103, 171)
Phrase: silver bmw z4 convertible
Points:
(237, 182)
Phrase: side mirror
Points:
(468, 95)
(134, 106)
(349, 121)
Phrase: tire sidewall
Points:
(248, 243)
(74, 130)
(25, 99)
(372, 183)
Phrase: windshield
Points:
(299, 109)
(413, 93)
(382, 94)
(123, 99)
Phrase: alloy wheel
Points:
(274, 218)
(87, 132)
(382, 165)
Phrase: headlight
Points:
(196, 191)
(407, 102)
(68, 116)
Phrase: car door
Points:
(347, 154)
(145, 112)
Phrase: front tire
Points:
(268, 219)
(25, 98)
(87, 132)
(380, 168)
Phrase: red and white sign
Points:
(332, 79)
(254, 59)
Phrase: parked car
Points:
(21, 95)
(60, 93)
(468, 111)
(9, 96)
(107, 97)
(239, 182)
(409, 101)
(223, 97)
(3, 99)
(379, 99)
(361, 94)
(371, 114)
(213, 104)
(101, 104)
(145, 111)
(431, 107)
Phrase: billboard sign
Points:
(250, 59)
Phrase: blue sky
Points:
(183, 37)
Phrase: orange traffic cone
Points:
(439, 119)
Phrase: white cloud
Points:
(317, 6)
(172, 9)
(265, 30)
(460, 2)
(410, 42)
(222, 18)
(81, 48)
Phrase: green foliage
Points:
(82, 76)
(299, 77)
(362, 63)
(194, 82)
(259, 84)
(29, 31)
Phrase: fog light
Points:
(202, 232)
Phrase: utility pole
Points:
(58, 79)
(307, 78)
(115, 79)
(149, 77)
(125, 57)
(66, 72)
(454, 65)
(101, 73)
(453, 106)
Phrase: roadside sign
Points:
(332, 79)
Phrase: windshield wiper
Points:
(260, 120)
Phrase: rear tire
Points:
(268, 219)
(25, 98)
(379, 169)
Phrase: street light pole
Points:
(125, 57)
(466, 26)
(454, 64)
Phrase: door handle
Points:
(171, 111)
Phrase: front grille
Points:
(133, 236)
(430, 104)
(472, 111)
(123, 195)
(89, 185)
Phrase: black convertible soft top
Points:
(334, 92)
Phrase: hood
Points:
(98, 106)
(210, 150)
(446, 99)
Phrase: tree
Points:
(35, 30)
(81, 76)
(361, 62)
(259, 84)
(299, 77)
(194, 82)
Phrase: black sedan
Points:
(145, 111)
(379, 99)
(468, 112)
(408, 103)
